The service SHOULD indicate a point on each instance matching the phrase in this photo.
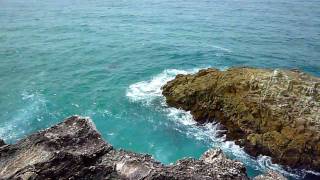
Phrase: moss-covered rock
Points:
(270, 112)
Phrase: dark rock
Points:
(269, 112)
(2, 143)
(74, 149)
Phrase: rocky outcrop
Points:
(270, 175)
(270, 112)
(74, 149)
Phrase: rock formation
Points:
(74, 149)
(270, 175)
(269, 112)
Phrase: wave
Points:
(149, 93)
(222, 48)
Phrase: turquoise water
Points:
(108, 60)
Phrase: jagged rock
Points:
(270, 175)
(74, 149)
(269, 112)
(66, 150)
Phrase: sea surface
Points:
(107, 59)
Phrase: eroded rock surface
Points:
(74, 149)
(270, 112)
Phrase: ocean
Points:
(108, 60)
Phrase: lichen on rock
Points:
(269, 112)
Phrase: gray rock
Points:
(74, 149)
(270, 175)
(2, 143)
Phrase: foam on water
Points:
(222, 48)
(149, 94)
(147, 91)
(15, 127)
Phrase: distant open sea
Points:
(107, 59)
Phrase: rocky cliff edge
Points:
(74, 149)
(269, 112)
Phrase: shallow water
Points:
(108, 60)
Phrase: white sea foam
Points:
(149, 93)
(180, 116)
(14, 128)
(222, 48)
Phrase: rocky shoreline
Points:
(74, 149)
(269, 112)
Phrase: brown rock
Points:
(271, 112)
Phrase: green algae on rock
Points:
(269, 112)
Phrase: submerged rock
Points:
(74, 149)
(269, 112)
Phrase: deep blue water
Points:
(108, 60)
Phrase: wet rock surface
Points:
(74, 149)
(269, 112)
